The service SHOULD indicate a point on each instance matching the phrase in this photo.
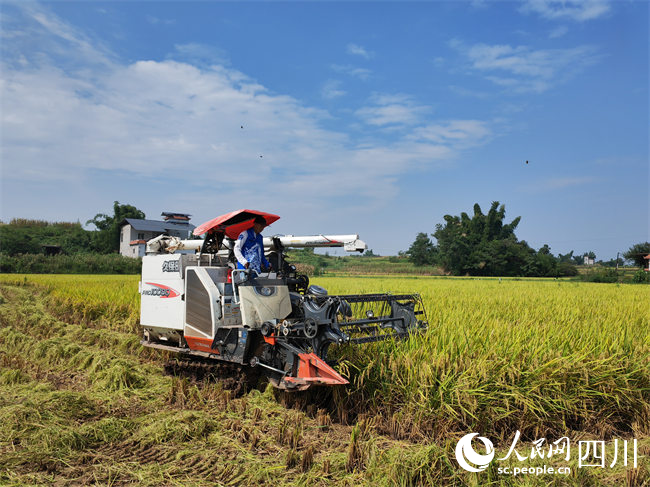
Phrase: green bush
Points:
(601, 275)
(566, 269)
(641, 277)
(69, 264)
(21, 236)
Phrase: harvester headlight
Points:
(265, 290)
(370, 314)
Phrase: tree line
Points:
(485, 245)
(23, 236)
(477, 245)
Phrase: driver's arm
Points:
(239, 244)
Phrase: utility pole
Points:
(617, 261)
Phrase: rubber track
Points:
(236, 378)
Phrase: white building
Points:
(135, 232)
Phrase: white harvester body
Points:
(200, 304)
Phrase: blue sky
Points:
(375, 118)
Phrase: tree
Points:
(566, 269)
(107, 237)
(309, 257)
(22, 236)
(422, 251)
(483, 244)
(637, 252)
(611, 262)
(566, 258)
(545, 263)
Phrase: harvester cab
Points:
(200, 305)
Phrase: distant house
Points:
(588, 261)
(647, 257)
(135, 232)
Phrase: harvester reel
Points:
(406, 312)
(345, 309)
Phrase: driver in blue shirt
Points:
(249, 248)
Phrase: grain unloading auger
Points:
(194, 301)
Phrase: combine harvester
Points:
(225, 319)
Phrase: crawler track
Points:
(236, 378)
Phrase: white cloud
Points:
(157, 20)
(558, 32)
(397, 109)
(524, 69)
(199, 54)
(331, 89)
(202, 128)
(576, 10)
(479, 4)
(355, 72)
(356, 50)
(464, 132)
(47, 39)
(462, 91)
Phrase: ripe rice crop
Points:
(545, 357)
(112, 300)
(500, 355)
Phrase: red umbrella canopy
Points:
(232, 224)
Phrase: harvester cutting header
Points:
(197, 300)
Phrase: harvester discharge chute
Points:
(200, 305)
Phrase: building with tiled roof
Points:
(135, 232)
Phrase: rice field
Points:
(500, 355)
(82, 402)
